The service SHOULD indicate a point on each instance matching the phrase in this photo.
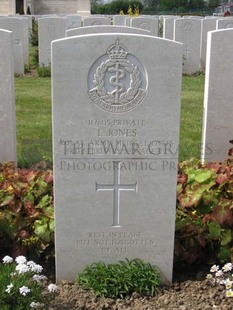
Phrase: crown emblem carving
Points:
(117, 50)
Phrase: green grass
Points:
(191, 116)
(33, 114)
(33, 119)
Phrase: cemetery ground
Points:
(191, 289)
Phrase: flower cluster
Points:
(27, 286)
(222, 276)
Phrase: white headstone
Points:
(128, 21)
(74, 21)
(207, 24)
(224, 23)
(119, 20)
(168, 27)
(7, 102)
(49, 29)
(96, 21)
(218, 101)
(147, 23)
(116, 108)
(16, 25)
(104, 29)
(188, 32)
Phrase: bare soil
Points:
(188, 295)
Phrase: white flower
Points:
(34, 267)
(36, 304)
(214, 268)
(227, 267)
(21, 259)
(228, 283)
(52, 287)
(7, 259)
(209, 276)
(219, 273)
(24, 290)
(229, 293)
(9, 287)
(22, 268)
(12, 274)
(38, 278)
(37, 268)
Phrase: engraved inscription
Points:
(188, 27)
(116, 187)
(117, 242)
(117, 81)
(144, 25)
(229, 25)
(186, 52)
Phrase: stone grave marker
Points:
(16, 25)
(147, 23)
(207, 24)
(218, 100)
(104, 29)
(96, 21)
(188, 32)
(74, 21)
(224, 23)
(49, 29)
(168, 27)
(116, 115)
(7, 103)
(119, 20)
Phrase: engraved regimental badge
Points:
(117, 81)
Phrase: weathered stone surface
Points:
(49, 29)
(218, 101)
(96, 21)
(7, 102)
(188, 32)
(116, 114)
(207, 24)
(224, 23)
(147, 23)
(16, 25)
(104, 29)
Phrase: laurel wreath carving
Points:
(134, 83)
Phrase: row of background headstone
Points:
(158, 211)
(192, 32)
(217, 89)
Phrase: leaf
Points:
(6, 200)
(202, 176)
(221, 178)
(223, 215)
(214, 230)
(41, 230)
(226, 236)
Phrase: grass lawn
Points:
(34, 129)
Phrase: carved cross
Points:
(116, 187)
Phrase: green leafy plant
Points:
(44, 71)
(26, 211)
(120, 279)
(204, 220)
(22, 287)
